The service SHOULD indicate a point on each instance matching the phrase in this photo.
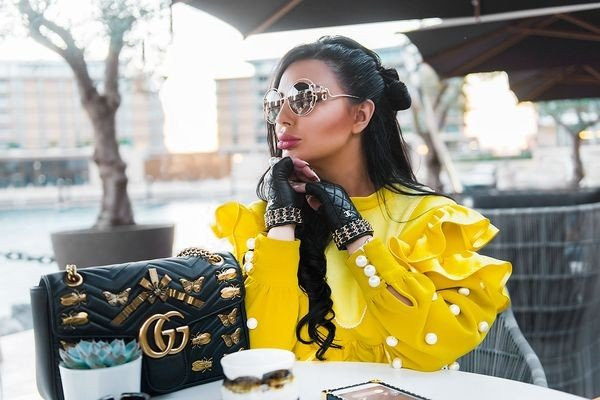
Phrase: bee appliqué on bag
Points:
(73, 319)
(202, 365)
(201, 339)
(230, 292)
(226, 275)
(73, 299)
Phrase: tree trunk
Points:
(578, 173)
(434, 165)
(116, 207)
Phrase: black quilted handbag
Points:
(185, 311)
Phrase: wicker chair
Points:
(553, 242)
(505, 353)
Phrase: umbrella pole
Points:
(440, 146)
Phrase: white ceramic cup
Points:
(255, 363)
(91, 384)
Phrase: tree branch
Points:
(72, 54)
(440, 94)
(117, 27)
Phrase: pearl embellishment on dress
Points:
(252, 323)
(483, 327)
(431, 338)
(361, 261)
(374, 281)
(454, 309)
(369, 270)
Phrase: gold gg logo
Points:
(159, 334)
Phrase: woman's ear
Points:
(363, 113)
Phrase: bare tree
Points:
(574, 116)
(118, 18)
(444, 95)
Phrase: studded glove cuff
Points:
(282, 216)
(350, 232)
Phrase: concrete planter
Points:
(94, 247)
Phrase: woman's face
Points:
(326, 130)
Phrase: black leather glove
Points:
(344, 220)
(283, 202)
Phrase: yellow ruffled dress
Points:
(430, 258)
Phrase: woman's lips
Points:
(287, 144)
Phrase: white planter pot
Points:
(91, 384)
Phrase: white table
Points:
(18, 379)
(314, 376)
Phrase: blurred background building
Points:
(45, 136)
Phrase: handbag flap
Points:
(116, 300)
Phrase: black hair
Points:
(360, 73)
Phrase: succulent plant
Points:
(99, 354)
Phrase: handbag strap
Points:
(74, 279)
(209, 256)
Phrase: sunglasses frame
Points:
(318, 93)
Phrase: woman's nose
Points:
(285, 116)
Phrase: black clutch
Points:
(185, 311)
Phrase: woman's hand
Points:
(283, 202)
(342, 217)
(302, 171)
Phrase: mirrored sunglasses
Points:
(301, 99)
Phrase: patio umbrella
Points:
(259, 16)
(559, 52)
(573, 82)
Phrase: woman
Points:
(401, 281)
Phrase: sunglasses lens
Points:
(272, 105)
(301, 98)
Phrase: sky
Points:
(203, 48)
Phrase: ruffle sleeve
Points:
(454, 292)
(237, 223)
(444, 241)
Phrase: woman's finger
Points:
(298, 163)
(305, 174)
(298, 186)
(311, 174)
(313, 202)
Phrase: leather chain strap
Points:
(209, 256)
(74, 278)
